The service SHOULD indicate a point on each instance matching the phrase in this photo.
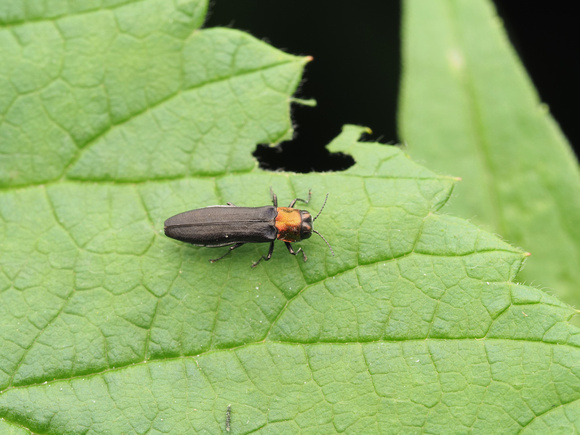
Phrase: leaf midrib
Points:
(482, 146)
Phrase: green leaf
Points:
(12, 429)
(468, 109)
(108, 326)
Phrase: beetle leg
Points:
(301, 200)
(274, 198)
(267, 257)
(289, 246)
(231, 248)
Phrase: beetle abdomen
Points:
(223, 225)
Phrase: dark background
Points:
(356, 69)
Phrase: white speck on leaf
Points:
(455, 59)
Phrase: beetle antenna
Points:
(322, 208)
(325, 241)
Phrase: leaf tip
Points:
(308, 102)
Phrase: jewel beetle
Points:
(233, 226)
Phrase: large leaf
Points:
(468, 108)
(108, 326)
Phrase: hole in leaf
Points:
(354, 76)
(293, 157)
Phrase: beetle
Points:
(230, 225)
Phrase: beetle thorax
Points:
(289, 222)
